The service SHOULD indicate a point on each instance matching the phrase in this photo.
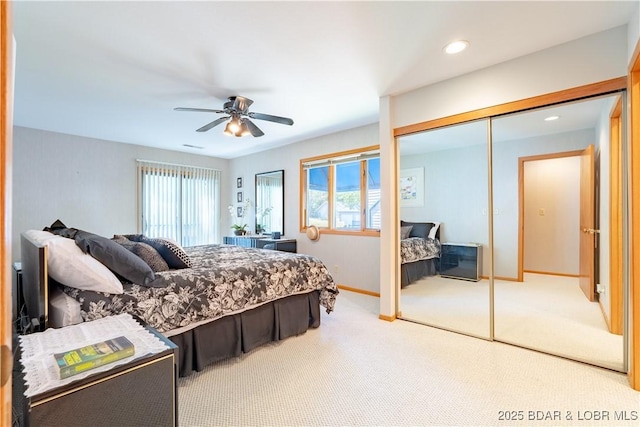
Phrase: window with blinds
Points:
(341, 192)
(179, 202)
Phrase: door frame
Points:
(521, 165)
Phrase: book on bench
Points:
(92, 356)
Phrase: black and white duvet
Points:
(417, 249)
(223, 280)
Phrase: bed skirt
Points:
(232, 335)
(413, 271)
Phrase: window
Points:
(179, 202)
(341, 192)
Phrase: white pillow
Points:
(68, 265)
(433, 230)
(63, 310)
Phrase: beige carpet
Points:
(358, 370)
(546, 313)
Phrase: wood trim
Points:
(359, 291)
(551, 273)
(616, 255)
(387, 318)
(521, 162)
(6, 126)
(634, 226)
(600, 88)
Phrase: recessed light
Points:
(551, 118)
(456, 47)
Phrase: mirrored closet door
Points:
(557, 222)
(443, 201)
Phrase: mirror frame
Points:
(256, 202)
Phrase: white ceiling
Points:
(116, 70)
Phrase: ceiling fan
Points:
(236, 109)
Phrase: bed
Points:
(419, 250)
(229, 300)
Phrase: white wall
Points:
(87, 183)
(552, 215)
(591, 59)
(352, 260)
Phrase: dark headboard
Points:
(35, 282)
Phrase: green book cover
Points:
(91, 356)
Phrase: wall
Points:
(87, 183)
(352, 260)
(552, 237)
(595, 58)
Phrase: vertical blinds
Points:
(179, 202)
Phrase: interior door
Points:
(588, 233)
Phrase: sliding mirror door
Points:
(557, 230)
(443, 207)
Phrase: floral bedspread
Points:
(224, 279)
(417, 248)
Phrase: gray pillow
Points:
(404, 231)
(147, 252)
(115, 257)
(172, 253)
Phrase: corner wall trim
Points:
(387, 318)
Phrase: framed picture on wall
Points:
(239, 196)
(412, 187)
(239, 211)
(239, 182)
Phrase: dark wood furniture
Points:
(461, 261)
(140, 393)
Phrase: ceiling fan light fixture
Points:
(227, 130)
(244, 129)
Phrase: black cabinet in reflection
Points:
(461, 261)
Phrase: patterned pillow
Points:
(404, 231)
(172, 253)
(147, 252)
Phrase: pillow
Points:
(115, 257)
(404, 231)
(172, 253)
(64, 310)
(420, 229)
(69, 266)
(147, 252)
(434, 230)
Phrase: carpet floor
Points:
(358, 370)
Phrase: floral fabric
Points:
(417, 248)
(224, 279)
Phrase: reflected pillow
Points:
(404, 231)
(69, 266)
(420, 229)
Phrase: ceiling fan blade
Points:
(212, 124)
(205, 110)
(270, 118)
(241, 103)
(255, 130)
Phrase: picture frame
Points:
(239, 182)
(239, 197)
(412, 187)
(239, 212)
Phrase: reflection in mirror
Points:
(444, 179)
(552, 241)
(269, 203)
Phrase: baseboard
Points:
(552, 274)
(359, 291)
(387, 318)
